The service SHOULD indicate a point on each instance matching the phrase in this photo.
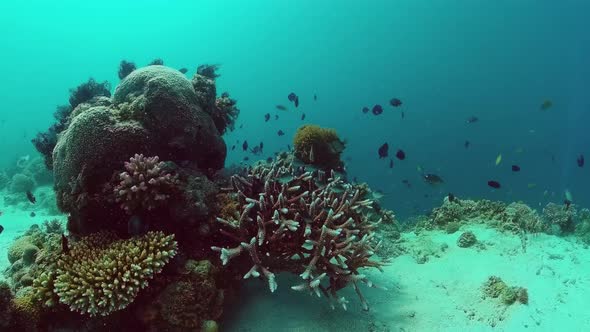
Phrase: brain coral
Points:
(102, 274)
(154, 110)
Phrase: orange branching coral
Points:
(318, 146)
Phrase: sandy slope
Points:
(443, 294)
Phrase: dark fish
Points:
(31, 197)
(395, 102)
(451, 197)
(377, 109)
(241, 126)
(580, 161)
(494, 184)
(281, 107)
(269, 160)
(302, 116)
(515, 168)
(567, 203)
(383, 151)
(390, 163)
(280, 133)
(400, 154)
(266, 117)
(136, 226)
(432, 179)
(296, 101)
(546, 105)
(276, 116)
(407, 183)
(261, 145)
(292, 96)
(365, 110)
(355, 179)
(288, 147)
(246, 158)
(65, 249)
(315, 97)
(183, 70)
(256, 150)
(1, 229)
(245, 146)
(233, 147)
(33, 214)
(466, 144)
(472, 119)
(403, 114)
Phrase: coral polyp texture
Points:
(304, 223)
(318, 146)
(102, 274)
(144, 185)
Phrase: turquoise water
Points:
(445, 60)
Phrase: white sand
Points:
(444, 294)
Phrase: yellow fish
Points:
(498, 159)
(547, 104)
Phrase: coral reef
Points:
(125, 68)
(86, 91)
(153, 109)
(306, 223)
(144, 185)
(318, 146)
(21, 183)
(53, 226)
(156, 62)
(494, 287)
(101, 274)
(45, 142)
(466, 239)
(560, 218)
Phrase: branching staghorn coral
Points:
(303, 223)
(144, 185)
(101, 274)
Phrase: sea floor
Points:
(442, 294)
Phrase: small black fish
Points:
(400, 154)
(1, 229)
(315, 97)
(365, 110)
(515, 168)
(395, 102)
(233, 147)
(33, 214)
(302, 116)
(466, 144)
(280, 133)
(383, 151)
(65, 249)
(292, 96)
(580, 161)
(246, 158)
(296, 102)
(288, 147)
(567, 203)
(377, 109)
(494, 184)
(451, 197)
(261, 145)
(281, 107)
(245, 146)
(241, 126)
(276, 116)
(269, 160)
(390, 163)
(432, 179)
(403, 114)
(31, 197)
(472, 119)
(407, 183)
(183, 70)
(266, 117)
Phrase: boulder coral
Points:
(318, 146)
(154, 110)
